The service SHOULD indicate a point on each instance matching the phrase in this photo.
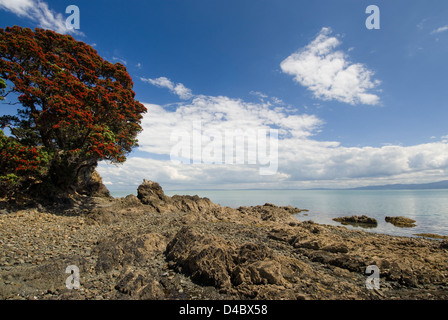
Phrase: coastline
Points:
(183, 247)
(428, 207)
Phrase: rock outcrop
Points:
(150, 193)
(401, 222)
(270, 212)
(213, 261)
(94, 186)
(207, 258)
(362, 221)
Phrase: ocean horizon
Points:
(429, 207)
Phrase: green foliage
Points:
(2, 88)
(10, 179)
(20, 165)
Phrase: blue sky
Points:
(353, 106)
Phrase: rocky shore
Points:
(157, 247)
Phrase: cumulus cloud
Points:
(303, 161)
(325, 162)
(221, 114)
(181, 176)
(39, 12)
(179, 89)
(329, 74)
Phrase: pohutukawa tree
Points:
(75, 108)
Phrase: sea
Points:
(428, 207)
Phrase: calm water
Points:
(428, 207)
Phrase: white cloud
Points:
(329, 74)
(321, 162)
(219, 113)
(39, 12)
(135, 169)
(161, 82)
(303, 161)
(179, 89)
(183, 92)
(18, 7)
(439, 30)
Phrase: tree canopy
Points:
(2, 88)
(75, 108)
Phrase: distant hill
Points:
(432, 185)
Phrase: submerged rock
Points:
(431, 235)
(361, 221)
(270, 212)
(401, 222)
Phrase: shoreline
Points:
(184, 247)
(426, 226)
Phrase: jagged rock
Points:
(336, 248)
(131, 201)
(259, 272)
(310, 244)
(139, 285)
(151, 193)
(192, 203)
(94, 186)
(270, 212)
(207, 258)
(213, 261)
(401, 222)
(251, 252)
(129, 250)
(283, 235)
